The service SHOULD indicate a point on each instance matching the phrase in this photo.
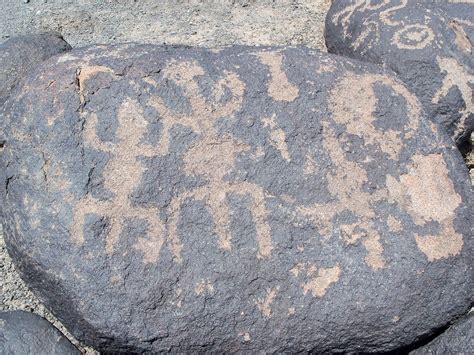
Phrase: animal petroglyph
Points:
(122, 174)
(429, 195)
(346, 183)
(211, 156)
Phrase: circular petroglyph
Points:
(415, 36)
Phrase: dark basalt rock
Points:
(22, 53)
(458, 339)
(26, 333)
(250, 199)
(427, 44)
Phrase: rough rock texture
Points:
(207, 23)
(26, 333)
(458, 339)
(199, 23)
(426, 44)
(181, 199)
(20, 54)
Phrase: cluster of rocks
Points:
(168, 198)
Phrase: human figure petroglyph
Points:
(211, 156)
(122, 174)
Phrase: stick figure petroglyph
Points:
(121, 175)
(211, 156)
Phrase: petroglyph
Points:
(462, 40)
(415, 36)
(277, 137)
(357, 114)
(122, 174)
(211, 156)
(429, 195)
(406, 35)
(346, 13)
(279, 88)
(347, 182)
(456, 75)
(320, 279)
(264, 303)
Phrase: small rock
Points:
(26, 333)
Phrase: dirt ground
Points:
(199, 23)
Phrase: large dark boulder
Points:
(249, 199)
(457, 339)
(26, 333)
(427, 44)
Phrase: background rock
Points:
(457, 339)
(426, 44)
(26, 333)
(20, 54)
(328, 165)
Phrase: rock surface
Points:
(22, 53)
(180, 199)
(458, 339)
(428, 45)
(200, 23)
(26, 333)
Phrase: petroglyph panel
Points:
(428, 44)
(176, 199)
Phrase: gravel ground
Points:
(199, 23)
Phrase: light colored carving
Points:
(277, 137)
(264, 303)
(211, 156)
(414, 36)
(456, 75)
(462, 39)
(353, 103)
(394, 224)
(317, 280)
(122, 174)
(428, 194)
(279, 87)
